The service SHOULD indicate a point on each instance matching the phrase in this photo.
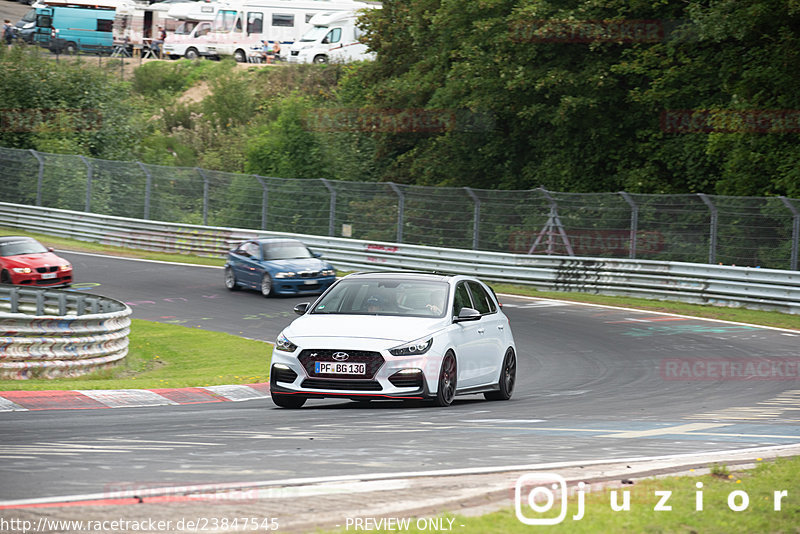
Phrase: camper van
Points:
(136, 24)
(71, 26)
(334, 37)
(190, 38)
(240, 27)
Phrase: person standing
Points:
(8, 32)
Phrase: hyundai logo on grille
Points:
(340, 356)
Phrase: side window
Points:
(335, 35)
(461, 298)
(105, 25)
(203, 30)
(309, 16)
(283, 20)
(483, 302)
(255, 22)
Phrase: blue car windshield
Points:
(22, 246)
(377, 296)
(284, 250)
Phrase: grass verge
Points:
(170, 356)
(716, 516)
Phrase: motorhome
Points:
(334, 37)
(190, 38)
(241, 26)
(70, 26)
(136, 23)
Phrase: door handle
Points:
(481, 330)
(501, 327)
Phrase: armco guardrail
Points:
(768, 289)
(46, 333)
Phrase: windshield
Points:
(30, 16)
(314, 34)
(225, 20)
(21, 246)
(385, 296)
(285, 250)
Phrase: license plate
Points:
(48, 276)
(340, 368)
(310, 282)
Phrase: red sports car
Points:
(26, 262)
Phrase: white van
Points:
(190, 38)
(240, 26)
(334, 38)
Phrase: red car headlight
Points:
(66, 267)
(22, 270)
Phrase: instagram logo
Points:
(537, 493)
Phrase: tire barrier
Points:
(47, 333)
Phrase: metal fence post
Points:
(40, 182)
(634, 222)
(148, 186)
(203, 175)
(332, 216)
(795, 231)
(89, 178)
(264, 200)
(476, 217)
(712, 246)
(401, 208)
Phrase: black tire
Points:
(191, 53)
(240, 56)
(320, 59)
(70, 48)
(448, 376)
(230, 280)
(5, 277)
(288, 401)
(266, 285)
(508, 378)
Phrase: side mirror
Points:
(316, 254)
(50, 249)
(467, 314)
(302, 308)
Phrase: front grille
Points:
(352, 385)
(308, 274)
(374, 361)
(401, 380)
(52, 269)
(295, 52)
(283, 375)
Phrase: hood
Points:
(301, 264)
(362, 330)
(41, 259)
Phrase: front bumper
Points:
(36, 279)
(301, 286)
(392, 378)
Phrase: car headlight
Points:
(65, 267)
(412, 349)
(328, 272)
(22, 270)
(285, 274)
(282, 343)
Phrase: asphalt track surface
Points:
(593, 384)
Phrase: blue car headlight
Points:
(285, 274)
(412, 349)
(283, 343)
(328, 272)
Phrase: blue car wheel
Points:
(266, 285)
(230, 279)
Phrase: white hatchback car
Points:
(397, 335)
